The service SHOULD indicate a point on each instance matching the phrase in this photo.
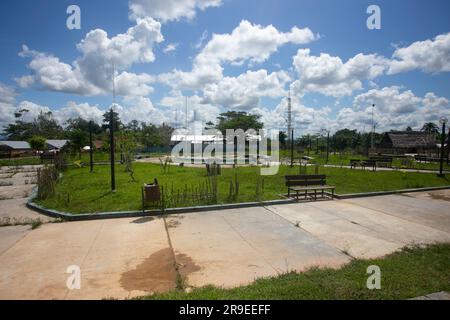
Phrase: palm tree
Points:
(430, 127)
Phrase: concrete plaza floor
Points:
(123, 258)
(16, 185)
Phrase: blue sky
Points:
(416, 91)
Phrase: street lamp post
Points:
(448, 147)
(317, 145)
(372, 144)
(91, 162)
(111, 131)
(322, 135)
(112, 147)
(328, 145)
(309, 144)
(292, 148)
(443, 122)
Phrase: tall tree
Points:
(82, 125)
(238, 120)
(78, 139)
(37, 143)
(116, 121)
(430, 127)
(283, 139)
(44, 125)
(344, 139)
(47, 126)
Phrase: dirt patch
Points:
(186, 265)
(440, 196)
(143, 220)
(157, 273)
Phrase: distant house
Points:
(401, 142)
(14, 149)
(98, 144)
(56, 144)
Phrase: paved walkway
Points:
(386, 169)
(122, 258)
(16, 185)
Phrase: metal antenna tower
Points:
(289, 119)
(186, 113)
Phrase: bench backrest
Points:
(306, 180)
(420, 158)
(382, 159)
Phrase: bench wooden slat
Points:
(305, 176)
(311, 188)
(305, 183)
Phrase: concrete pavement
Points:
(123, 258)
(16, 185)
(108, 252)
(10, 235)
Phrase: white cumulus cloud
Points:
(432, 56)
(248, 42)
(167, 10)
(330, 76)
(245, 91)
(91, 73)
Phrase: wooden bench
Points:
(369, 164)
(305, 183)
(420, 158)
(354, 163)
(383, 161)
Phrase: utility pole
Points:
(328, 145)
(317, 145)
(448, 147)
(91, 160)
(111, 135)
(310, 144)
(443, 122)
(292, 148)
(372, 144)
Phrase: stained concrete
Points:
(123, 258)
(35, 267)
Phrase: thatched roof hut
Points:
(409, 142)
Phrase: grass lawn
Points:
(20, 161)
(406, 274)
(344, 159)
(80, 191)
